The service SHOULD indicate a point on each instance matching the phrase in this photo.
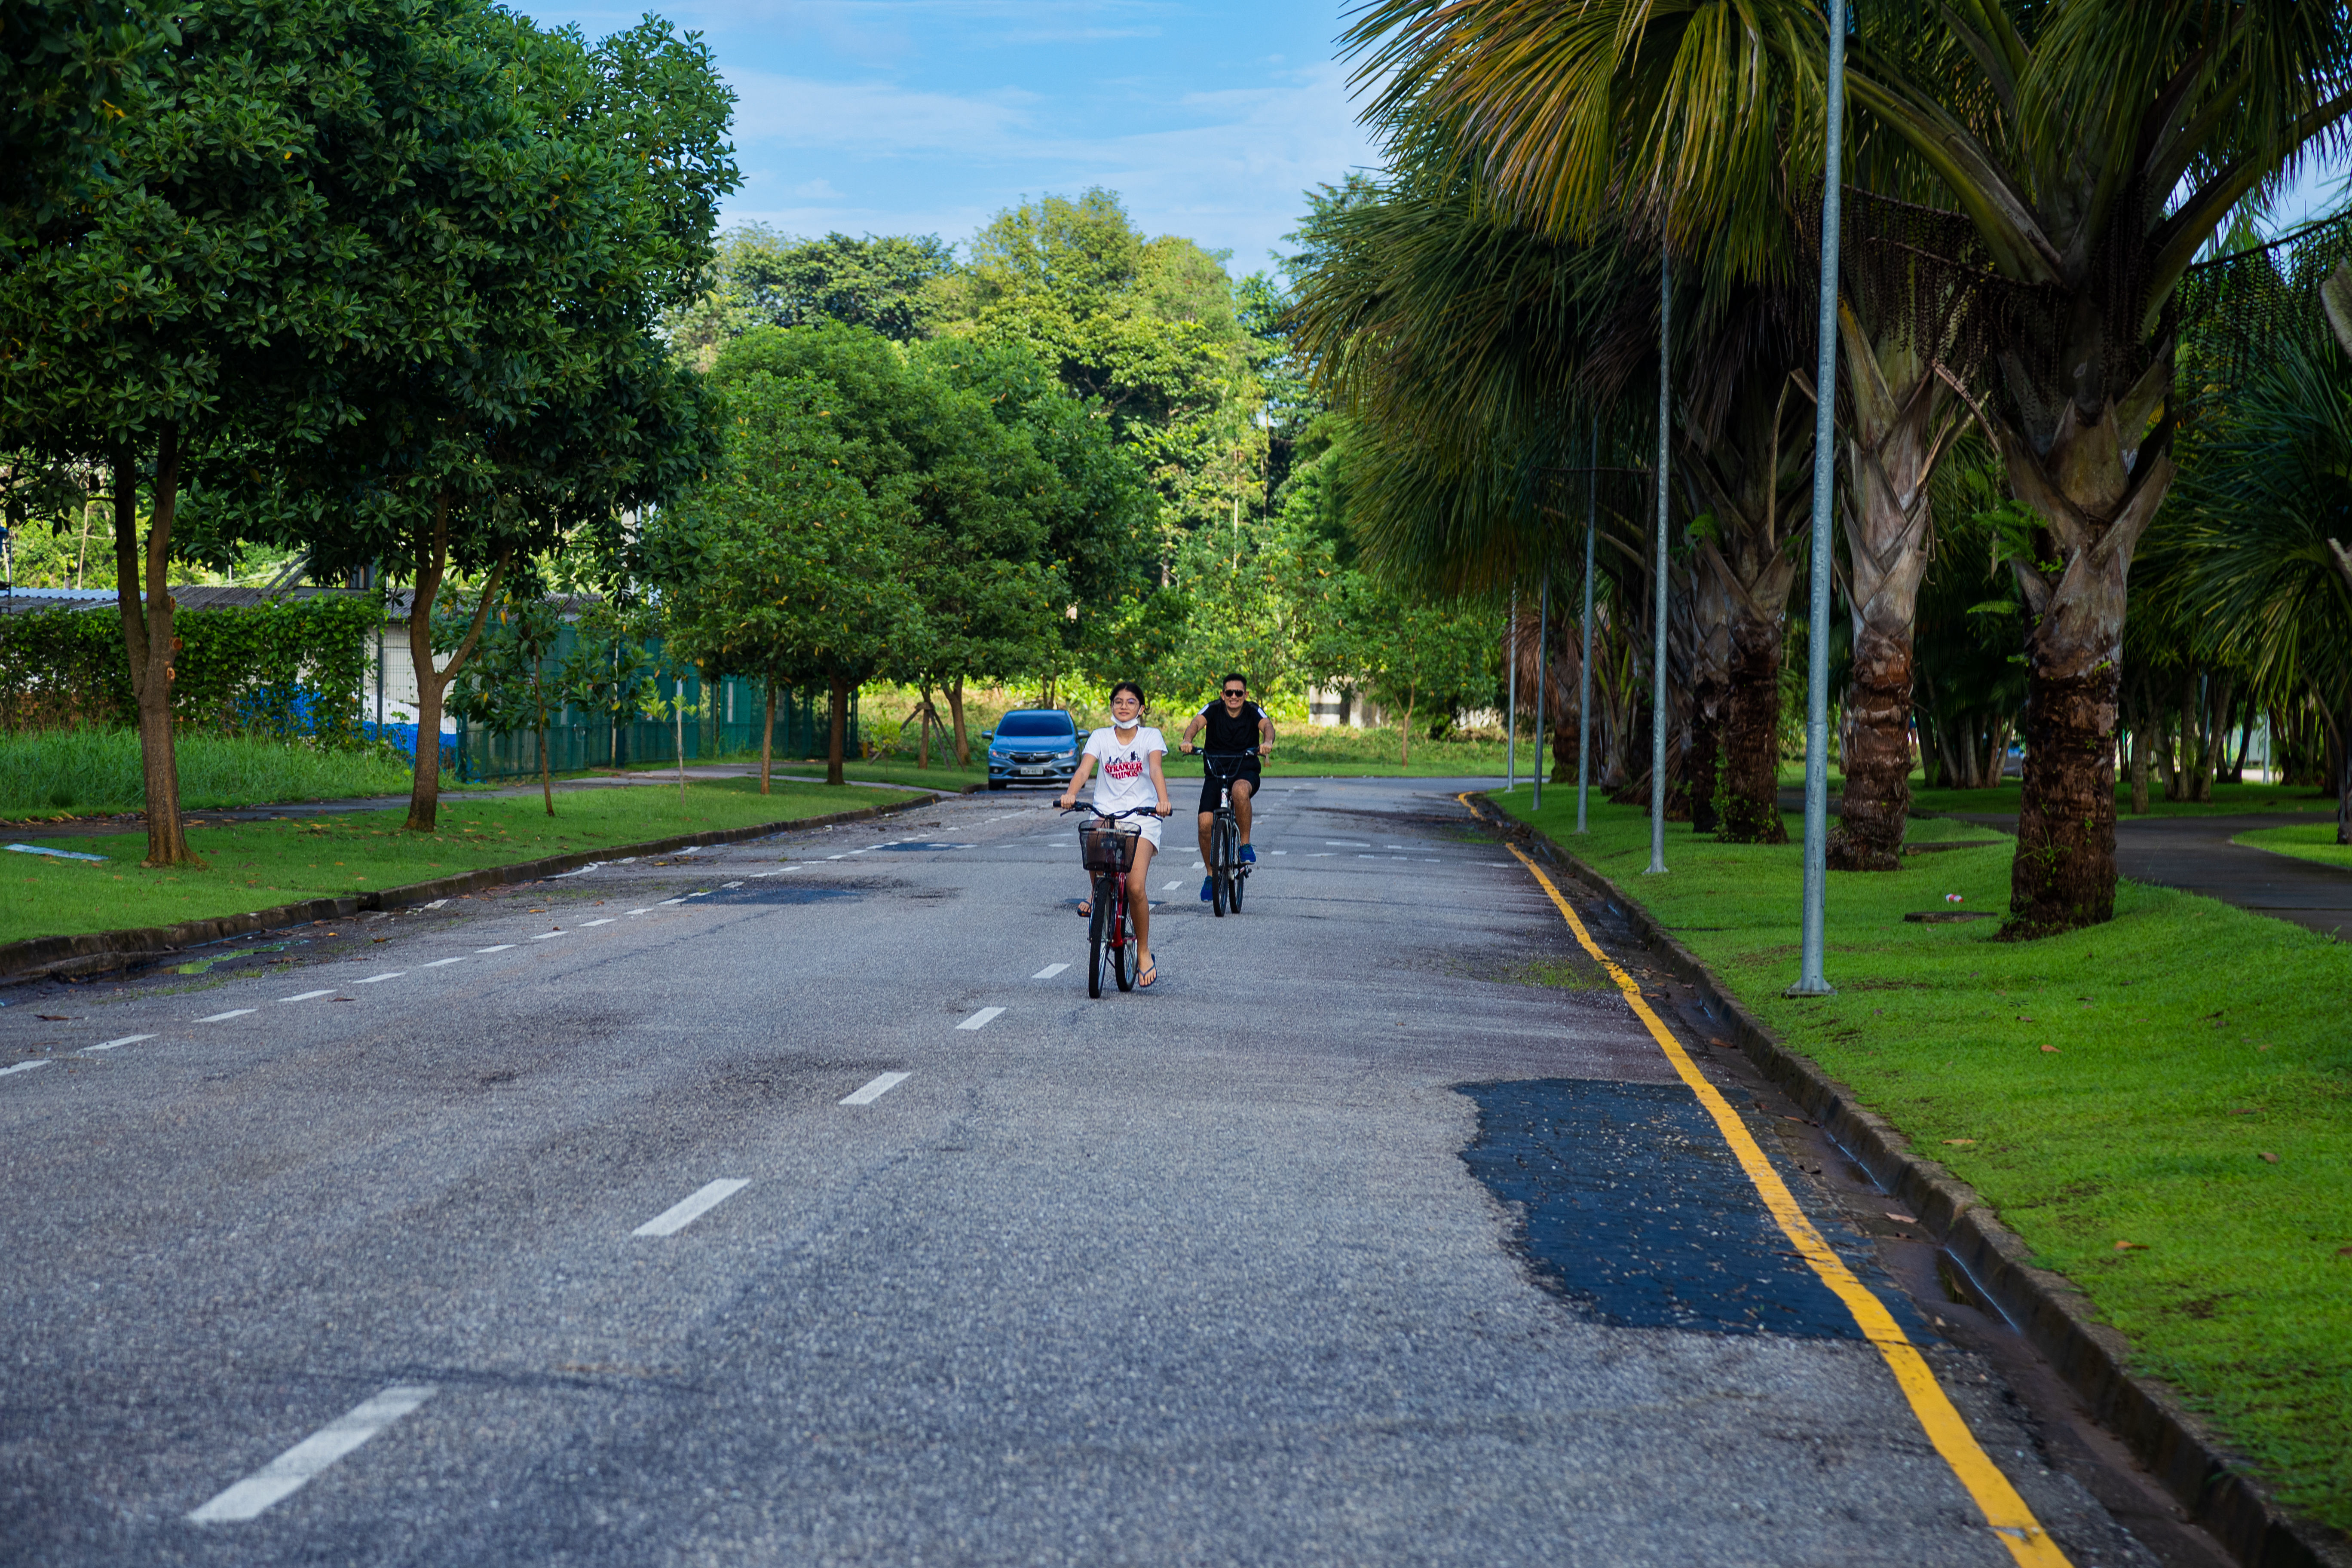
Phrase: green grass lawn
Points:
(2160, 1106)
(2304, 840)
(88, 773)
(253, 865)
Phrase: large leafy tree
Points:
(760, 278)
(543, 405)
(789, 566)
(199, 299)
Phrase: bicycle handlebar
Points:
(1114, 815)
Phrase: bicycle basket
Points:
(1104, 847)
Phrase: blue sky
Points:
(931, 116)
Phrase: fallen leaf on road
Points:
(2131, 1247)
(2271, 1157)
(2051, 1050)
(1900, 1218)
(1959, 1140)
(52, 1017)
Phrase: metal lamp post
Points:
(1810, 982)
(1584, 667)
(1658, 578)
(1511, 711)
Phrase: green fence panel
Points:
(578, 741)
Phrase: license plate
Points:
(1034, 770)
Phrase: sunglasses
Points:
(1236, 691)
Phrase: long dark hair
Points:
(1129, 686)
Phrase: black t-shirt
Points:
(1227, 733)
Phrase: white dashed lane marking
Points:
(606, 921)
(223, 1017)
(501, 948)
(439, 962)
(133, 1039)
(876, 1089)
(678, 1216)
(387, 974)
(980, 1018)
(545, 934)
(22, 1067)
(285, 1475)
(1050, 971)
(307, 995)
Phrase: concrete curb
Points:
(2052, 1313)
(96, 953)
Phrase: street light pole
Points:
(1511, 711)
(1543, 629)
(1810, 982)
(1658, 579)
(1584, 666)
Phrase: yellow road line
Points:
(2011, 1520)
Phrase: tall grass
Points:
(59, 772)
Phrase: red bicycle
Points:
(1108, 851)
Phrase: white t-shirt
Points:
(1126, 779)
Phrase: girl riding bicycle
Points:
(1129, 751)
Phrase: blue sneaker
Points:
(1249, 856)
(1207, 885)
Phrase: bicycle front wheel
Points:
(1240, 875)
(1122, 957)
(1098, 928)
(1220, 864)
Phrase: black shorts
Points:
(1214, 776)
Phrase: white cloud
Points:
(1225, 167)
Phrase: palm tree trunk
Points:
(2095, 488)
(1751, 732)
(1898, 401)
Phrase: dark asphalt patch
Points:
(776, 893)
(1636, 1210)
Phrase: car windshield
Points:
(1035, 727)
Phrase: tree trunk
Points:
(768, 738)
(840, 735)
(149, 640)
(1889, 529)
(2139, 749)
(432, 566)
(546, 773)
(2344, 778)
(1702, 759)
(2095, 488)
(1405, 759)
(677, 724)
(1712, 592)
(955, 712)
(1751, 760)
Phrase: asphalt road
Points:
(790, 1203)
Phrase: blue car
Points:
(1033, 745)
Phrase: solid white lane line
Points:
(307, 995)
(877, 1090)
(22, 1067)
(606, 921)
(680, 1215)
(545, 934)
(979, 1019)
(133, 1039)
(501, 948)
(438, 962)
(222, 1017)
(1050, 971)
(387, 974)
(284, 1475)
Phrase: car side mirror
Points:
(988, 735)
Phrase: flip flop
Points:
(1150, 972)
(1085, 908)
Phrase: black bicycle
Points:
(1227, 871)
(1108, 851)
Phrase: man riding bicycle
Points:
(1235, 724)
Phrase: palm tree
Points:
(2092, 145)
